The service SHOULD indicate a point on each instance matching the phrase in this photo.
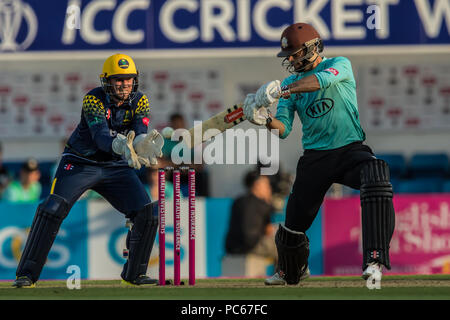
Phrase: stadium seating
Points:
(13, 168)
(397, 164)
(423, 173)
(420, 185)
(429, 165)
(446, 186)
(395, 183)
(45, 167)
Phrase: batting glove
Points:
(124, 146)
(270, 92)
(253, 112)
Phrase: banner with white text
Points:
(44, 25)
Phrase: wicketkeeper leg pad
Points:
(293, 253)
(47, 221)
(140, 241)
(377, 212)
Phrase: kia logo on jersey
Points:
(319, 108)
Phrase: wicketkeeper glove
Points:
(148, 147)
(255, 113)
(124, 146)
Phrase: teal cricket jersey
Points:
(329, 116)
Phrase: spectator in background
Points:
(281, 183)
(177, 121)
(250, 229)
(4, 175)
(28, 188)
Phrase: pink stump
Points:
(191, 187)
(162, 225)
(176, 227)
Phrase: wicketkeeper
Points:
(112, 139)
(322, 91)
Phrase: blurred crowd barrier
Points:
(419, 173)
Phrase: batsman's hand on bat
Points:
(124, 146)
(148, 147)
(270, 92)
(255, 113)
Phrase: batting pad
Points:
(293, 253)
(377, 212)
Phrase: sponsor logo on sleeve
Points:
(332, 70)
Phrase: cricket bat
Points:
(221, 121)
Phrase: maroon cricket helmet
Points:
(297, 37)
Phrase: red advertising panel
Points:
(421, 241)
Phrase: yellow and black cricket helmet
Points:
(119, 66)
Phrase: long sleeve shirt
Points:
(101, 121)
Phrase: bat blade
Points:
(222, 121)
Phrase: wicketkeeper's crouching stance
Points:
(112, 139)
(322, 91)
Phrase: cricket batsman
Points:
(112, 139)
(322, 91)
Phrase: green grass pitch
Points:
(429, 287)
